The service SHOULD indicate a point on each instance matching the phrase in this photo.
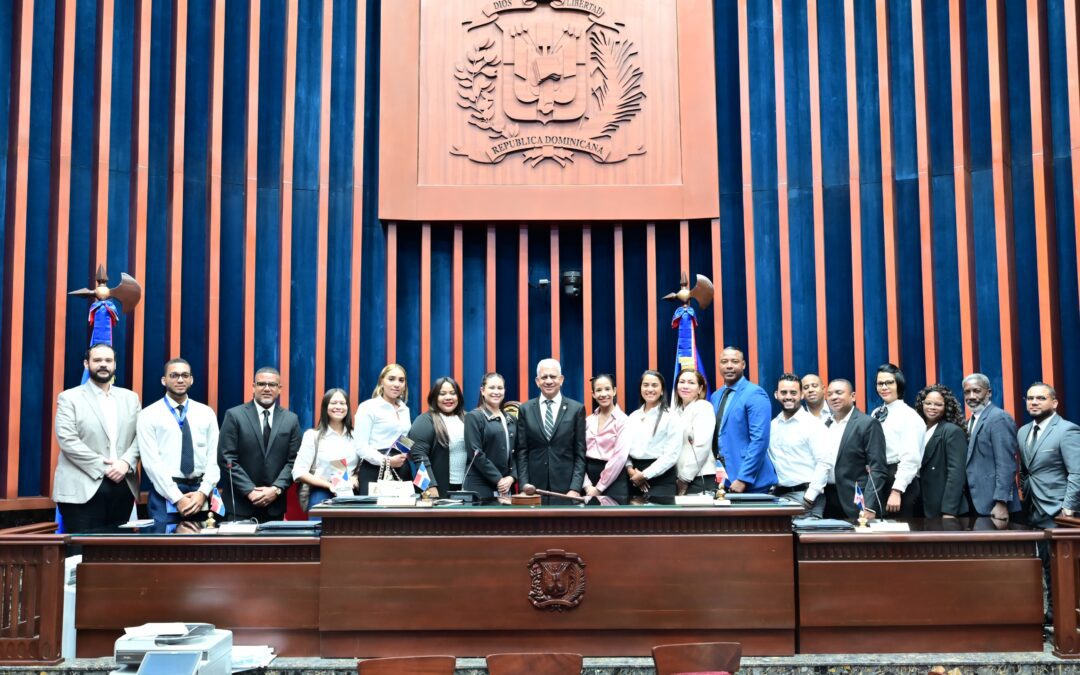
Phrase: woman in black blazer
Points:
(943, 473)
(490, 434)
(438, 438)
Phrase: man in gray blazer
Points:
(992, 453)
(1050, 448)
(94, 485)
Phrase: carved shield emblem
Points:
(557, 580)
(547, 78)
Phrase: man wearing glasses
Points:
(178, 441)
(258, 445)
(1050, 449)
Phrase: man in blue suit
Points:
(992, 453)
(743, 415)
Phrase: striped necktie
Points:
(549, 418)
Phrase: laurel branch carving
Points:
(616, 85)
(476, 89)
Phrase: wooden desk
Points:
(264, 589)
(459, 581)
(1064, 572)
(926, 591)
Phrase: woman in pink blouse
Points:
(606, 446)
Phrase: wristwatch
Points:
(277, 490)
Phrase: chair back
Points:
(534, 663)
(408, 665)
(697, 657)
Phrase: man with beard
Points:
(178, 440)
(94, 485)
(993, 453)
(797, 449)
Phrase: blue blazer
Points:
(742, 436)
(991, 461)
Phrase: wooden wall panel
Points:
(288, 121)
(784, 228)
(213, 220)
(855, 182)
(888, 184)
(326, 61)
(926, 194)
(174, 295)
(818, 189)
(251, 185)
(1072, 58)
(359, 81)
(99, 228)
(748, 197)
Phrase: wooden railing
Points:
(31, 595)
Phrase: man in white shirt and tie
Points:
(798, 450)
(94, 485)
(178, 441)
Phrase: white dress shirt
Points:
(556, 405)
(663, 446)
(698, 422)
(107, 402)
(800, 452)
(262, 420)
(160, 439)
(834, 434)
(377, 425)
(904, 431)
(336, 458)
(927, 436)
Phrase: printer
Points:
(174, 648)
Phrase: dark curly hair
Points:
(953, 412)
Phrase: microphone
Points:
(232, 490)
(877, 497)
(466, 496)
(476, 453)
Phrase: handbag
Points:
(303, 493)
(389, 484)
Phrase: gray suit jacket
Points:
(991, 461)
(84, 444)
(1052, 466)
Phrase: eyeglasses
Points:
(267, 385)
(179, 376)
(1038, 398)
(886, 383)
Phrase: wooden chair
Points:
(408, 665)
(534, 663)
(697, 657)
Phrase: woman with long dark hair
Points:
(438, 437)
(606, 443)
(944, 460)
(655, 441)
(327, 459)
(490, 434)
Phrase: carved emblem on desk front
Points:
(557, 580)
(547, 78)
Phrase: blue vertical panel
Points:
(729, 157)
(196, 145)
(82, 159)
(539, 303)
(408, 310)
(982, 193)
(1063, 205)
(906, 169)
(36, 259)
(667, 267)
(570, 314)
(946, 275)
(6, 31)
(120, 146)
(701, 263)
(506, 310)
(440, 322)
(268, 204)
(473, 312)
(1024, 256)
(769, 347)
(875, 334)
(232, 390)
(603, 305)
(836, 195)
(800, 187)
(371, 341)
(635, 318)
(340, 235)
(305, 208)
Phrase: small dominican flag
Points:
(721, 473)
(859, 498)
(217, 505)
(421, 479)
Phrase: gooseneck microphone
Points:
(232, 490)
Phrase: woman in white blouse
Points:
(696, 474)
(380, 421)
(327, 457)
(438, 438)
(655, 441)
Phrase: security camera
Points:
(571, 283)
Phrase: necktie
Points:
(187, 448)
(549, 418)
(719, 419)
(829, 422)
(1034, 436)
(881, 413)
(266, 429)
(971, 424)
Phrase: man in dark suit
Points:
(256, 449)
(860, 455)
(992, 452)
(550, 450)
(1050, 448)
